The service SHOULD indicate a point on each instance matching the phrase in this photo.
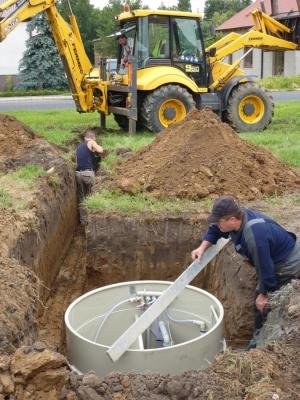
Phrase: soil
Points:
(272, 372)
(31, 367)
(202, 157)
(27, 233)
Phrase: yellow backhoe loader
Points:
(169, 72)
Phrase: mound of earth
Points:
(14, 137)
(200, 157)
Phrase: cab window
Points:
(159, 46)
(187, 45)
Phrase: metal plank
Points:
(123, 343)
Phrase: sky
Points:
(12, 48)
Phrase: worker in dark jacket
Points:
(266, 245)
(87, 158)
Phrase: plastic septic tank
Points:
(187, 335)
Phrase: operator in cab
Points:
(126, 52)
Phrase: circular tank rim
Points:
(107, 287)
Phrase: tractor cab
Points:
(166, 38)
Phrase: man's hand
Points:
(261, 301)
(197, 254)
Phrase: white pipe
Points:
(199, 323)
(214, 313)
(148, 293)
(165, 334)
(140, 338)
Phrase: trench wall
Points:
(43, 246)
(148, 246)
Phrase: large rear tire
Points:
(250, 108)
(123, 123)
(166, 105)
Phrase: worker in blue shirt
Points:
(266, 245)
(87, 157)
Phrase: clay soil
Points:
(201, 157)
(31, 368)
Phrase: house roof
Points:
(243, 18)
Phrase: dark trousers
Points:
(259, 317)
(285, 272)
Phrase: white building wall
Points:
(256, 64)
(292, 63)
(268, 64)
(11, 50)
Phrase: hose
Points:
(199, 323)
(107, 315)
(130, 300)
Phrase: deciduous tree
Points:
(184, 5)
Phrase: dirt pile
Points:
(14, 138)
(20, 145)
(202, 157)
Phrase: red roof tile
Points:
(243, 18)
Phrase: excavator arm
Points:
(267, 33)
(89, 94)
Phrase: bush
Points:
(281, 82)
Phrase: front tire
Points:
(250, 108)
(166, 105)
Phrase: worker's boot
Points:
(252, 343)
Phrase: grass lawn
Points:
(283, 135)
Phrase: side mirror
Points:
(212, 52)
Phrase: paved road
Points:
(36, 103)
(41, 103)
(286, 96)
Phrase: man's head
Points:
(90, 135)
(226, 213)
(122, 39)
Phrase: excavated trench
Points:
(113, 248)
(47, 260)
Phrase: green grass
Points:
(17, 186)
(281, 82)
(56, 126)
(28, 173)
(114, 141)
(283, 136)
(116, 200)
(5, 198)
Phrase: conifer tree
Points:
(41, 66)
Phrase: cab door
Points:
(188, 49)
